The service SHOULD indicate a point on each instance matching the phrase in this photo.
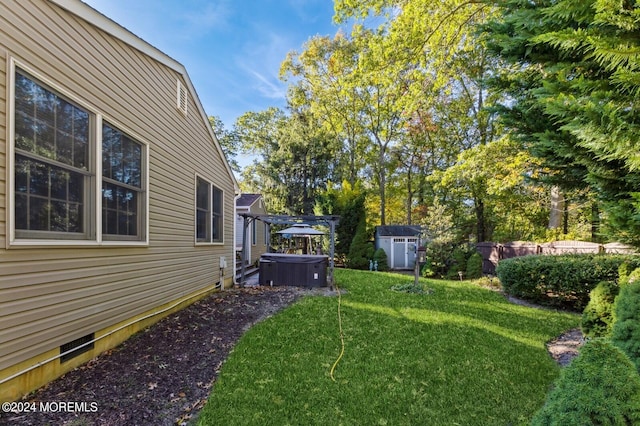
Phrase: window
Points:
(53, 172)
(209, 206)
(54, 182)
(218, 236)
(203, 211)
(122, 193)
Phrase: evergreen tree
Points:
(573, 80)
(361, 249)
(348, 202)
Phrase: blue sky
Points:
(232, 49)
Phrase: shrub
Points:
(445, 259)
(633, 276)
(380, 256)
(439, 258)
(563, 281)
(597, 317)
(488, 281)
(626, 328)
(426, 270)
(600, 386)
(457, 262)
(474, 266)
(623, 272)
(361, 249)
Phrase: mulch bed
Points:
(163, 375)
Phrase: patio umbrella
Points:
(301, 231)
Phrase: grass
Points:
(460, 354)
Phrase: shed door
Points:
(403, 252)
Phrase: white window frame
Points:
(266, 234)
(94, 216)
(254, 233)
(143, 222)
(211, 186)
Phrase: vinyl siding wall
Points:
(50, 296)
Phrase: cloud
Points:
(268, 86)
(261, 62)
(202, 18)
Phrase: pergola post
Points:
(332, 249)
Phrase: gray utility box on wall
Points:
(293, 270)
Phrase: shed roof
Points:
(397, 231)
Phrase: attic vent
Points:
(182, 99)
(76, 344)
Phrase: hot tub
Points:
(293, 270)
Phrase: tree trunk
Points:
(557, 208)
(382, 178)
(409, 195)
(480, 220)
(595, 223)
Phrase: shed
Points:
(400, 243)
(116, 200)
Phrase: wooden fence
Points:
(492, 253)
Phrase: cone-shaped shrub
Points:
(361, 250)
(474, 266)
(380, 256)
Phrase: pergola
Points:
(269, 220)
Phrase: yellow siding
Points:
(50, 296)
(3, 145)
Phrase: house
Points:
(116, 201)
(256, 238)
(400, 242)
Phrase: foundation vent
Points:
(76, 347)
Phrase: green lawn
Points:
(461, 355)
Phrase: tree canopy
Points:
(482, 112)
(573, 78)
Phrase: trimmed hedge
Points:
(599, 387)
(561, 281)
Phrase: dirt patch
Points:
(565, 347)
(163, 375)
